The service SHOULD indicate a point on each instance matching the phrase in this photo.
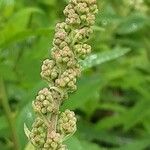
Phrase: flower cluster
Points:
(68, 79)
(38, 133)
(67, 122)
(44, 102)
(53, 141)
(61, 72)
(49, 70)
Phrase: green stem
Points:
(6, 107)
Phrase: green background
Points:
(112, 103)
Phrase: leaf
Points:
(29, 147)
(7, 72)
(140, 144)
(24, 34)
(49, 2)
(17, 23)
(134, 116)
(3, 123)
(90, 146)
(132, 24)
(25, 116)
(99, 58)
(74, 144)
(87, 87)
(26, 130)
(88, 132)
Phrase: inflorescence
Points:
(51, 127)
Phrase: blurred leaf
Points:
(26, 131)
(87, 87)
(136, 114)
(17, 24)
(22, 35)
(141, 144)
(49, 2)
(29, 147)
(74, 144)
(99, 58)
(132, 24)
(3, 123)
(90, 146)
(7, 72)
(25, 116)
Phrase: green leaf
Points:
(26, 130)
(17, 23)
(3, 123)
(24, 34)
(99, 58)
(134, 116)
(140, 144)
(74, 144)
(29, 146)
(132, 24)
(87, 87)
(25, 116)
(90, 146)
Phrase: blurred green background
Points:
(113, 98)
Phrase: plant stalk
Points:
(6, 107)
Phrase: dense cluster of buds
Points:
(53, 142)
(44, 102)
(49, 70)
(38, 133)
(67, 122)
(51, 127)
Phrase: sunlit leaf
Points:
(99, 58)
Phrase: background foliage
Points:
(113, 99)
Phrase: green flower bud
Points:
(82, 50)
(54, 141)
(49, 70)
(44, 102)
(67, 122)
(38, 133)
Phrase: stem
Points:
(6, 107)
(54, 118)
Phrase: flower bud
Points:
(44, 102)
(49, 70)
(38, 133)
(67, 122)
(68, 80)
(82, 50)
(54, 141)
